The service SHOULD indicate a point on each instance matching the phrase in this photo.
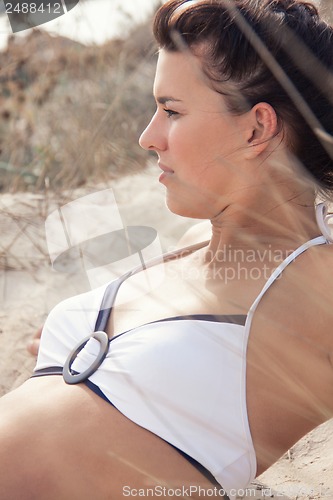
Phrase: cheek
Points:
(204, 152)
(191, 150)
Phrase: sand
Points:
(29, 288)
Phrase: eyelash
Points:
(170, 113)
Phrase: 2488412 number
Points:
(32, 8)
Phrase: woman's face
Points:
(199, 144)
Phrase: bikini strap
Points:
(322, 218)
(112, 289)
(320, 240)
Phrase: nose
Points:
(153, 138)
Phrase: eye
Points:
(170, 113)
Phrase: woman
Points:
(211, 376)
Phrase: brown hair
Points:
(211, 30)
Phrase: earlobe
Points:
(264, 127)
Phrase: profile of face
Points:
(203, 149)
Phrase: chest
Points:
(175, 290)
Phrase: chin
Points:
(191, 211)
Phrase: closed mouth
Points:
(166, 169)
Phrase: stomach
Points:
(67, 442)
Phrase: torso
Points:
(289, 377)
(289, 380)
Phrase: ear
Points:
(263, 126)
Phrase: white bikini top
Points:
(183, 378)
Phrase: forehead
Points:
(180, 75)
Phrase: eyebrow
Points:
(164, 99)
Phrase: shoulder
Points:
(307, 283)
(293, 327)
(302, 300)
(316, 267)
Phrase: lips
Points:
(166, 172)
(166, 169)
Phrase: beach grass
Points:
(70, 113)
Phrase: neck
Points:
(273, 225)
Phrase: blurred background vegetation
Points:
(326, 7)
(70, 113)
